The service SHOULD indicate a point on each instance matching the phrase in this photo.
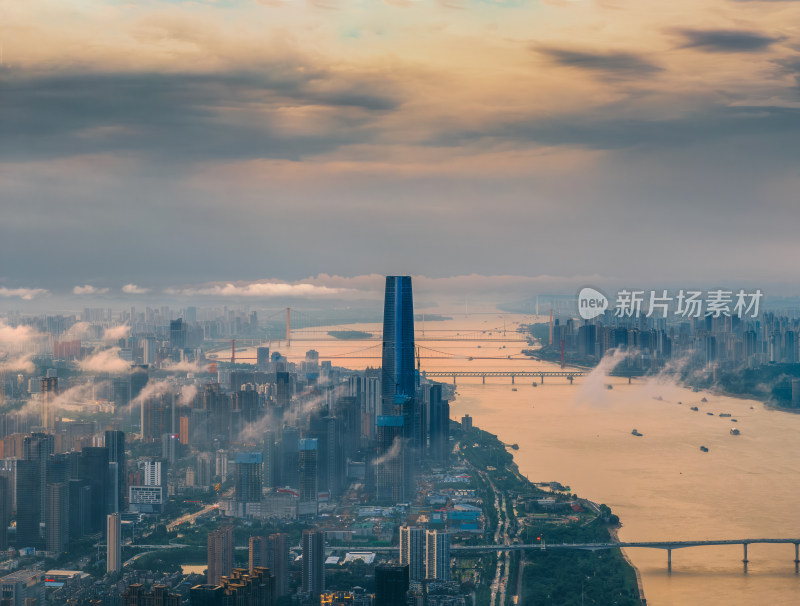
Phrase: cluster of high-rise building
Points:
(426, 553)
(280, 441)
(241, 587)
(321, 428)
(424, 558)
(265, 579)
(61, 496)
(703, 341)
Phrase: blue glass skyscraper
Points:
(398, 375)
(398, 423)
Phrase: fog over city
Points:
(399, 302)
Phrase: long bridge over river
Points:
(523, 374)
(668, 546)
(536, 374)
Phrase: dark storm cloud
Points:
(191, 116)
(727, 40)
(619, 64)
(790, 67)
(609, 132)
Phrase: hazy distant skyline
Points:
(176, 145)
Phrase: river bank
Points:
(661, 484)
(768, 383)
(525, 513)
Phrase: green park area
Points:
(544, 515)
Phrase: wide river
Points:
(661, 485)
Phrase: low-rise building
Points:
(23, 585)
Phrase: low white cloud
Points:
(23, 363)
(367, 283)
(592, 389)
(258, 289)
(115, 333)
(88, 289)
(23, 293)
(187, 395)
(390, 454)
(15, 336)
(186, 367)
(299, 410)
(73, 399)
(372, 285)
(133, 289)
(17, 346)
(76, 332)
(106, 360)
(154, 389)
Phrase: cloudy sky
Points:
(188, 145)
